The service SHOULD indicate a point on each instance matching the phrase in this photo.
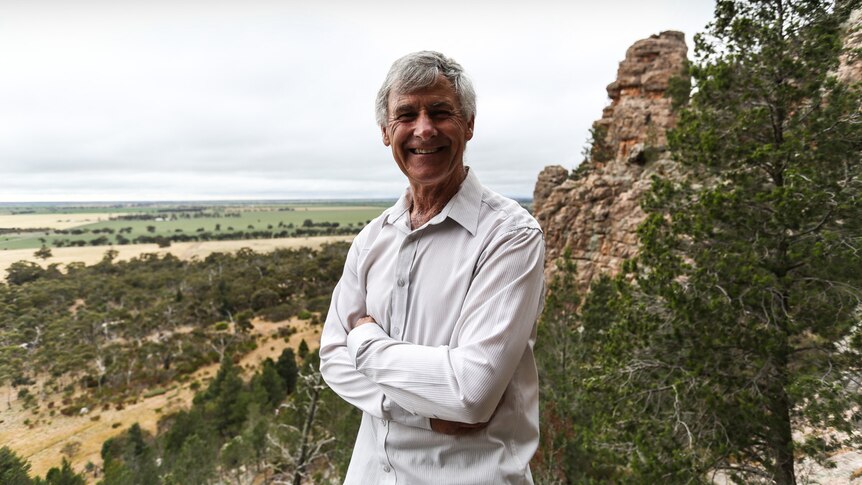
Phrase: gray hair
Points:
(420, 70)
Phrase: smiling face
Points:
(428, 133)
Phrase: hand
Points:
(455, 428)
(363, 321)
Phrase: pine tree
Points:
(271, 383)
(739, 322)
(286, 367)
(13, 469)
(64, 475)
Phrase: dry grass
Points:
(43, 441)
(53, 221)
(183, 250)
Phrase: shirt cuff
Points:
(359, 336)
(402, 416)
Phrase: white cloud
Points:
(177, 100)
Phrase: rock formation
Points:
(549, 179)
(850, 68)
(595, 212)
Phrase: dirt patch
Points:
(79, 302)
(41, 438)
(182, 250)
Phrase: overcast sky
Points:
(202, 99)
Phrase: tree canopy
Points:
(738, 324)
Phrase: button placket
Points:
(382, 435)
(399, 301)
(400, 293)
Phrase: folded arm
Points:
(464, 383)
(336, 365)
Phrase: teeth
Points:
(422, 151)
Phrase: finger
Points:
(362, 321)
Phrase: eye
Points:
(441, 114)
(406, 116)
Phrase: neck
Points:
(428, 201)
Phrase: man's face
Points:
(427, 133)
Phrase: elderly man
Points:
(431, 328)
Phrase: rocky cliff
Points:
(595, 211)
(850, 69)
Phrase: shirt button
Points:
(383, 422)
(397, 330)
(400, 282)
(386, 468)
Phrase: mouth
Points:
(424, 151)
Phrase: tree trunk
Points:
(785, 473)
(306, 431)
(783, 433)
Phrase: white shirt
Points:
(456, 303)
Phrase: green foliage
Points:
(739, 322)
(127, 317)
(13, 469)
(150, 320)
(23, 272)
(303, 349)
(195, 463)
(287, 370)
(182, 426)
(271, 383)
(130, 459)
(43, 253)
(679, 89)
(64, 475)
(598, 149)
(225, 399)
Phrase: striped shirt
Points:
(456, 303)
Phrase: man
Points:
(431, 328)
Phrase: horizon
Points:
(132, 203)
(275, 100)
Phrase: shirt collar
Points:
(463, 208)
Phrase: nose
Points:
(424, 128)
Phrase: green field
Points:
(238, 221)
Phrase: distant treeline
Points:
(174, 215)
(308, 229)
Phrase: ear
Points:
(469, 134)
(385, 135)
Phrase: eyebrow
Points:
(410, 107)
(403, 108)
(442, 104)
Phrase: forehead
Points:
(437, 93)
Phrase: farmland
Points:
(56, 227)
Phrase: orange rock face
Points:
(596, 215)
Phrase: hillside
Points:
(89, 351)
(41, 437)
